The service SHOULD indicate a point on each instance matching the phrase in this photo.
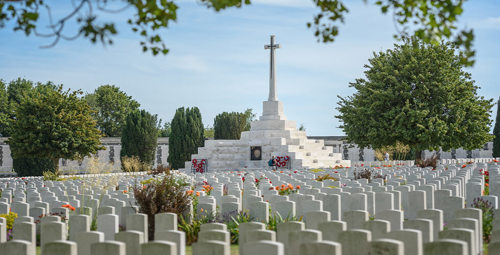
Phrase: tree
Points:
(139, 136)
(165, 130)
(230, 125)
(209, 132)
(27, 166)
(496, 133)
(416, 94)
(431, 20)
(52, 124)
(10, 97)
(111, 106)
(186, 137)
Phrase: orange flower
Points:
(277, 187)
(487, 185)
(125, 191)
(282, 186)
(197, 193)
(189, 192)
(68, 206)
(298, 187)
(281, 172)
(290, 186)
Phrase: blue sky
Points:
(217, 61)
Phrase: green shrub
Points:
(488, 216)
(33, 166)
(160, 196)
(9, 218)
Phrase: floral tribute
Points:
(486, 174)
(199, 165)
(286, 189)
(282, 161)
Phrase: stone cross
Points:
(272, 80)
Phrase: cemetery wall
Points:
(111, 154)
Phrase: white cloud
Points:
(488, 23)
(289, 3)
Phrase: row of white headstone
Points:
(403, 213)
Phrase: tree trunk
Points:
(418, 154)
(56, 164)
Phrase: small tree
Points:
(419, 95)
(139, 136)
(187, 135)
(496, 133)
(52, 123)
(111, 106)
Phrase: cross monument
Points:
(272, 73)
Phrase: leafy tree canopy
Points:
(10, 96)
(432, 20)
(209, 132)
(52, 123)
(165, 130)
(111, 106)
(419, 95)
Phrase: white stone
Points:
(132, 240)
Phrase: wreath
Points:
(199, 167)
(281, 161)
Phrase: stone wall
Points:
(109, 157)
(353, 153)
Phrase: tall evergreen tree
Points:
(139, 136)
(496, 133)
(230, 125)
(186, 136)
(4, 110)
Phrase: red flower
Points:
(243, 178)
(256, 180)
